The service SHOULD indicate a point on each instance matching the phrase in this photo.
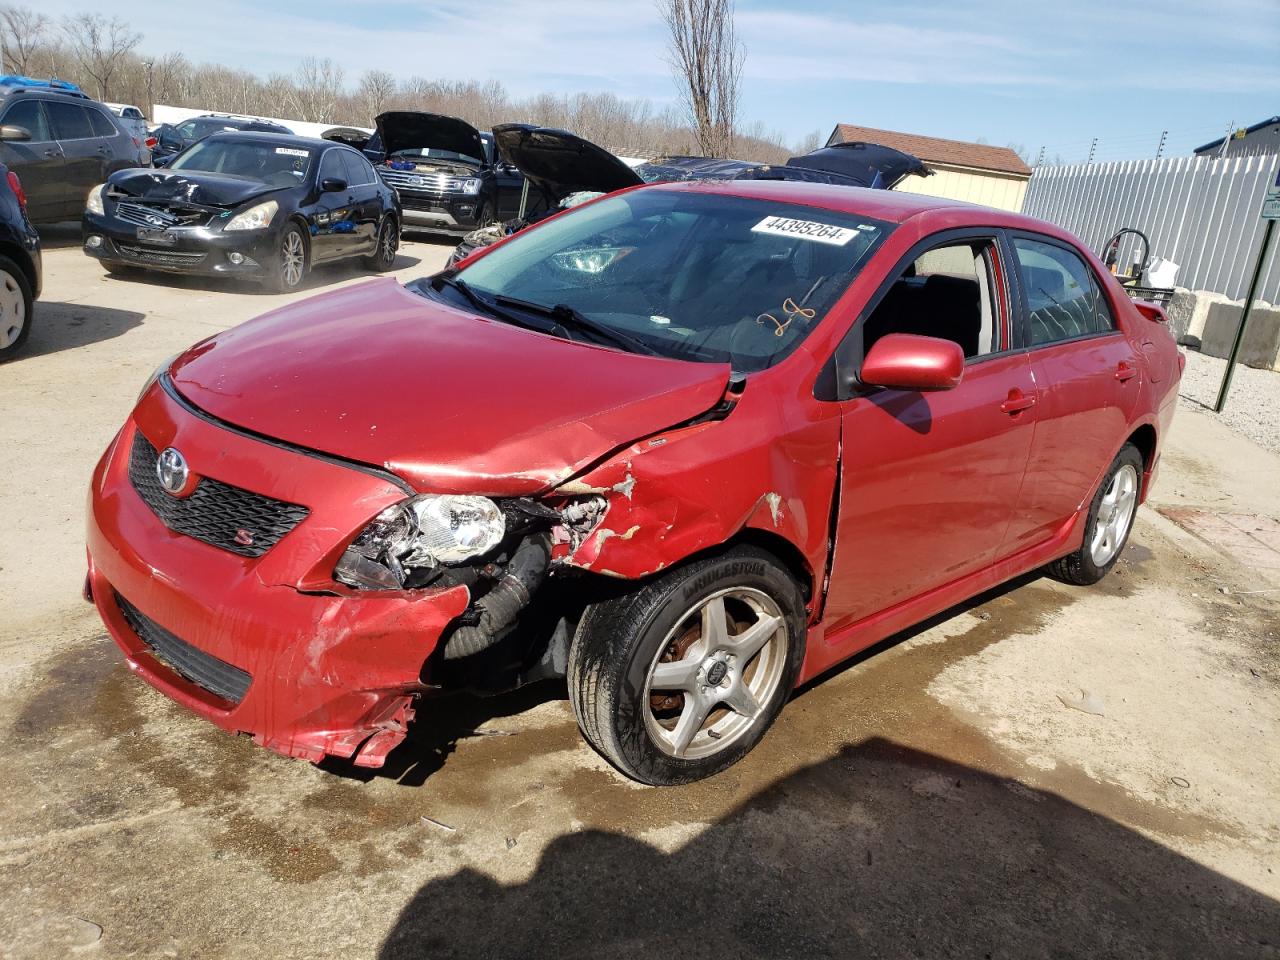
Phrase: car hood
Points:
(451, 402)
(206, 189)
(869, 164)
(413, 130)
(561, 163)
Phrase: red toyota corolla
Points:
(686, 446)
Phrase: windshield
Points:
(277, 166)
(696, 276)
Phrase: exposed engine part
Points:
(580, 517)
(498, 608)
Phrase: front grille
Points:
(216, 513)
(203, 669)
(435, 183)
(161, 258)
(426, 204)
(146, 215)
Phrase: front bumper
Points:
(454, 214)
(331, 671)
(195, 251)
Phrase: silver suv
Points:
(62, 144)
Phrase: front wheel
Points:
(15, 309)
(290, 262)
(681, 678)
(1110, 520)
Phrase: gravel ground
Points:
(1253, 405)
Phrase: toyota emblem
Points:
(171, 469)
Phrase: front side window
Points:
(331, 167)
(947, 292)
(279, 166)
(69, 121)
(695, 276)
(1063, 298)
(29, 115)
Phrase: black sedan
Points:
(258, 205)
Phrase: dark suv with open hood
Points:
(447, 173)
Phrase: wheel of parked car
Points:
(681, 677)
(15, 309)
(384, 257)
(1110, 520)
(291, 262)
(485, 216)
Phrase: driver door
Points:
(929, 481)
(330, 216)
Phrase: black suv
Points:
(19, 265)
(173, 138)
(448, 174)
(61, 143)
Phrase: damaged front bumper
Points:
(261, 645)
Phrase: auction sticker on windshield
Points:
(291, 152)
(805, 230)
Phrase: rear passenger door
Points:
(1087, 377)
(38, 162)
(366, 202)
(86, 155)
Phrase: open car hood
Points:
(452, 402)
(351, 136)
(413, 130)
(205, 189)
(561, 163)
(868, 164)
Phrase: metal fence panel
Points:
(1200, 212)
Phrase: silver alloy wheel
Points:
(1115, 514)
(730, 654)
(389, 243)
(13, 310)
(293, 257)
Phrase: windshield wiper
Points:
(480, 303)
(566, 316)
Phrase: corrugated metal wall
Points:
(1200, 212)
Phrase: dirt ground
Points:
(944, 795)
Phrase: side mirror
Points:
(162, 161)
(11, 132)
(333, 185)
(911, 362)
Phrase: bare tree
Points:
(810, 143)
(22, 31)
(707, 59)
(376, 89)
(317, 87)
(100, 46)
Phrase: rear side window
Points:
(102, 127)
(29, 114)
(69, 121)
(358, 170)
(1063, 298)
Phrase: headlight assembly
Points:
(156, 374)
(255, 218)
(471, 185)
(94, 202)
(421, 532)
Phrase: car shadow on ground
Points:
(58, 236)
(65, 326)
(880, 851)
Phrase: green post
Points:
(1244, 317)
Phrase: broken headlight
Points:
(420, 533)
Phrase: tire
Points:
(485, 216)
(636, 716)
(16, 309)
(1110, 522)
(384, 255)
(287, 271)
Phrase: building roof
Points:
(958, 153)
(1260, 125)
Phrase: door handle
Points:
(1125, 372)
(53, 153)
(1017, 402)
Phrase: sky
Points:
(1038, 74)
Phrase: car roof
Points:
(888, 205)
(280, 139)
(44, 93)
